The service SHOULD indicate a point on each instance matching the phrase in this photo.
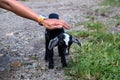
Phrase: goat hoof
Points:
(46, 59)
(50, 66)
(65, 65)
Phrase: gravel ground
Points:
(22, 41)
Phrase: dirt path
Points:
(22, 40)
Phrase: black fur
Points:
(56, 38)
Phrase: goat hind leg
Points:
(46, 49)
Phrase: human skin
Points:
(26, 12)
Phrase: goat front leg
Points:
(50, 58)
(62, 55)
(63, 61)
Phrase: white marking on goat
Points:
(67, 39)
(67, 50)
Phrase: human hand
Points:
(54, 24)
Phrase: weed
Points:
(35, 57)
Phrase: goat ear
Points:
(75, 40)
(53, 43)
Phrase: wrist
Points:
(41, 19)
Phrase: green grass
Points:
(99, 58)
(82, 34)
(95, 25)
(112, 2)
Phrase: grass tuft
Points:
(112, 2)
(79, 34)
(95, 25)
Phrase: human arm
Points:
(24, 11)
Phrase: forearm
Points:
(23, 11)
(19, 9)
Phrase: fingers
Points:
(55, 24)
(57, 27)
(53, 27)
(62, 23)
(65, 25)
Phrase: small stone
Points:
(10, 34)
(2, 68)
(1, 55)
(22, 77)
(25, 58)
(16, 64)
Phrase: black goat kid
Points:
(58, 37)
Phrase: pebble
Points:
(2, 69)
(16, 64)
